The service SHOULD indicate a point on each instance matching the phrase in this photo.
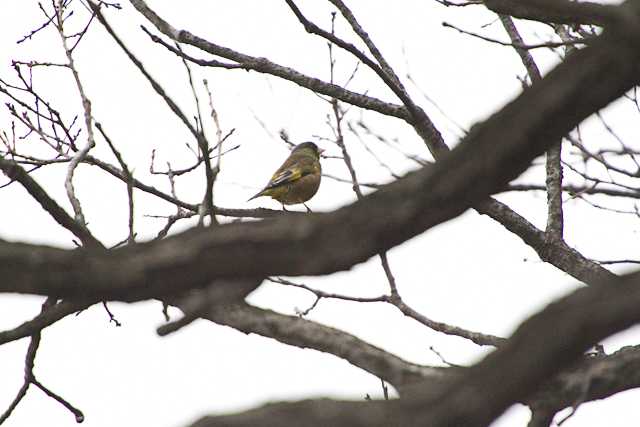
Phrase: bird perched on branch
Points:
(298, 179)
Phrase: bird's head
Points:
(308, 148)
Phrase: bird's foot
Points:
(308, 210)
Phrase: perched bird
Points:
(298, 179)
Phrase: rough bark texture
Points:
(230, 261)
(325, 243)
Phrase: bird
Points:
(298, 179)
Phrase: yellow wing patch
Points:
(285, 177)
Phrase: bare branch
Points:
(30, 378)
(543, 345)
(129, 181)
(519, 44)
(555, 215)
(378, 222)
(476, 337)
(303, 333)
(561, 12)
(17, 173)
(45, 318)
(574, 189)
(584, 271)
(88, 118)
(263, 65)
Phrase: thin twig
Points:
(203, 145)
(88, 119)
(518, 45)
(129, 181)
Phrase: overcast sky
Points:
(468, 272)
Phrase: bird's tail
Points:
(261, 193)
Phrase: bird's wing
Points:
(285, 176)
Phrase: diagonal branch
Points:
(263, 65)
(329, 242)
(303, 333)
(357, 28)
(542, 346)
(559, 255)
(47, 317)
(17, 173)
(198, 134)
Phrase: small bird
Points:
(298, 179)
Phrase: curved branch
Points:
(263, 65)
(555, 252)
(541, 347)
(304, 333)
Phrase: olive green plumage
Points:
(298, 179)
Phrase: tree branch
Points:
(17, 173)
(561, 12)
(324, 243)
(543, 345)
(586, 270)
(47, 317)
(575, 189)
(303, 333)
(553, 165)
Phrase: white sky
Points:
(469, 272)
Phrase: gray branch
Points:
(325, 243)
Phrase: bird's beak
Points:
(320, 151)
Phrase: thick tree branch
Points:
(594, 377)
(324, 243)
(414, 116)
(541, 417)
(591, 378)
(561, 12)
